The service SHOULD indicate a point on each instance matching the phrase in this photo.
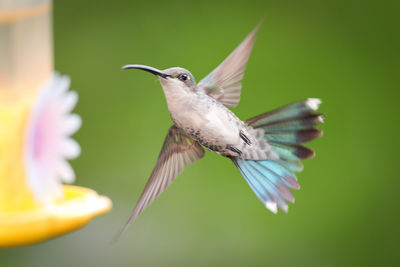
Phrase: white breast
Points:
(221, 127)
(213, 122)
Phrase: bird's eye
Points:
(183, 77)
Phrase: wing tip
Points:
(258, 26)
(254, 32)
(121, 232)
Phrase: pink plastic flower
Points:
(48, 143)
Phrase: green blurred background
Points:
(345, 52)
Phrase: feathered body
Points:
(210, 123)
(267, 149)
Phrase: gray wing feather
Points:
(177, 152)
(224, 83)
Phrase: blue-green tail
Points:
(285, 129)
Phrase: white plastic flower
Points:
(48, 145)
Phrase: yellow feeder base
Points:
(26, 227)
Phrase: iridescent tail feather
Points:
(285, 129)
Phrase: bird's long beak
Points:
(148, 69)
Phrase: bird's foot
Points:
(234, 149)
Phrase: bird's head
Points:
(169, 78)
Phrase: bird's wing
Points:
(177, 152)
(224, 83)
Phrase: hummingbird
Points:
(267, 149)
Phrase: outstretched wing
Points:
(177, 152)
(224, 83)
